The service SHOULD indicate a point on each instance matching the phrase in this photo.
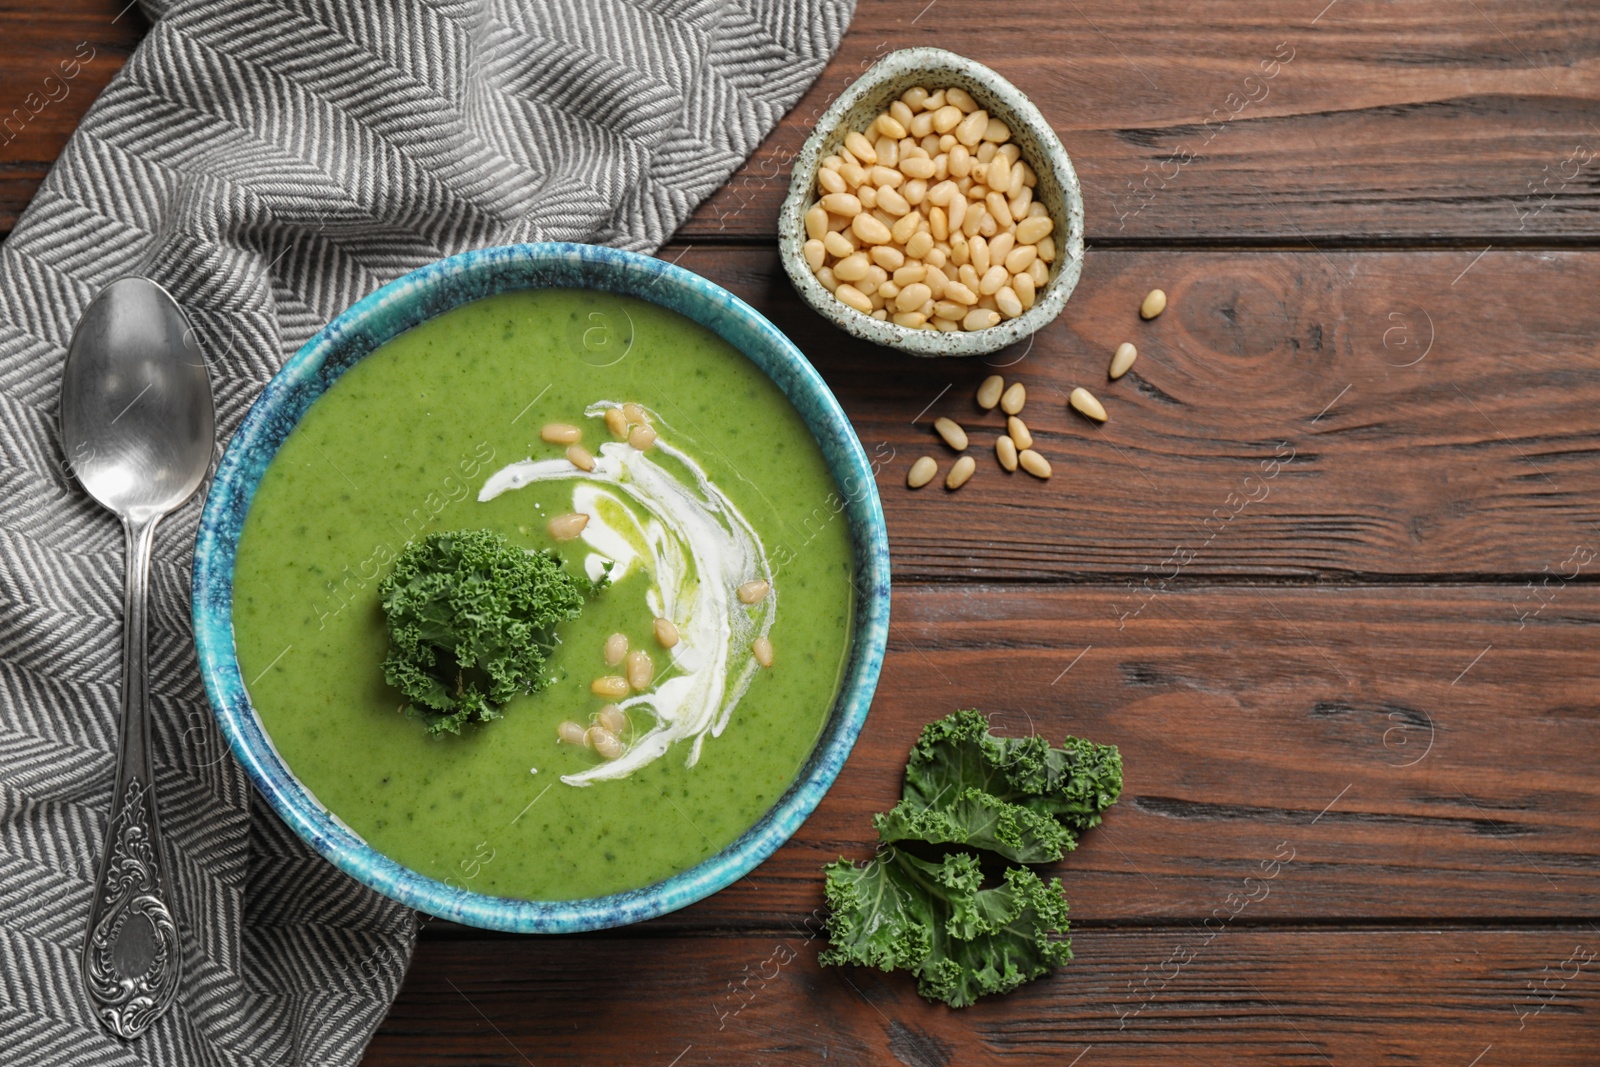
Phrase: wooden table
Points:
(1378, 659)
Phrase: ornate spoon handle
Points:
(132, 959)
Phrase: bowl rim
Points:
(904, 63)
(421, 295)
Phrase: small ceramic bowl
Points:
(1057, 190)
(347, 340)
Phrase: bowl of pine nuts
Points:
(933, 210)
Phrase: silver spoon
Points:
(137, 425)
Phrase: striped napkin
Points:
(270, 162)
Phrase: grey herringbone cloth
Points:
(270, 163)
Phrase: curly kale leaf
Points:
(1016, 796)
(472, 618)
(935, 920)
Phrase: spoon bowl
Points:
(137, 421)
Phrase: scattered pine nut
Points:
(613, 686)
(567, 527)
(754, 592)
(762, 648)
(953, 434)
(989, 391)
(617, 422)
(1013, 399)
(616, 648)
(922, 472)
(1155, 302)
(1005, 450)
(960, 472)
(641, 437)
(571, 733)
(1085, 404)
(1018, 430)
(666, 633)
(640, 669)
(1034, 463)
(604, 742)
(612, 718)
(636, 414)
(580, 457)
(1122, 360)
(559, 433)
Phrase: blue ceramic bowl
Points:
(390, 311)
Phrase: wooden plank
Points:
(58, 58)
(1430, 120)
(1158, 996)
(1423, 753)
(1427, 121)
(1422, 414)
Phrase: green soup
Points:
(399, 448)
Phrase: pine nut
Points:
(947, 118)
(570, 732)
(1047, 249)
(612, 718)
(1014, 398)
(913, 296)
(567, 527)
(754, 592)
(911, 320)
(970, 132)
(989, 391)
(816, 254)
(998, 174)
(853, 173)
(829, 282)
(1085, 404)
(959, 293)
(921, 125)
(960, 472)
(911, 274)
(641, 438)
(1005, 450)
(914, 97)
(993, 279)
(858, 146)
(961, 99)
(889, 176)
(616, 422)
(611, 686)
(616, 648)
(1122, 360)
(919, 245)
(917, 167)
(1001, 246)
(980, 319)
(1021, 258)
(1155, 302)
(1019, 432)
(922, 472)
(605, 742)
(847, 204)
(869, 229)
(1031, 230)
(852, 268)
(559, 433)
(908, 225)
(636, 414)
(997, 208)
(761, 648)
(1034, 463)
(816, 221)
(888, 257)
(579, 457)
(997, 131)
(890, 126)
(953, 434)
(1022, 285)
(640, 670)
(1039, 273)
(666, 633)
(831, 181)
(854, 297)
(1008, 302)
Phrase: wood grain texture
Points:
(1168, 995)
(58, 58)
(1425, 122)
(1427, 753)
(1435, 120)
(1424, 414)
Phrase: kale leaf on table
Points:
(472, 619)
(1013, 795)
(1016, 797)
